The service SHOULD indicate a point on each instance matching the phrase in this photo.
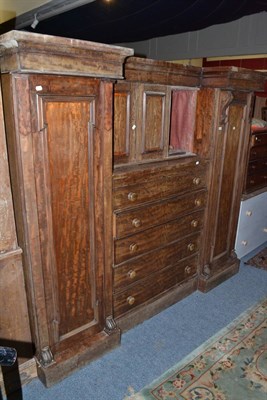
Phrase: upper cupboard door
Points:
(124, 123)
(153, 122)
(65, 115)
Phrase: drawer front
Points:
(252, 211)
(159, 236)
(153, 261)
(145, 290)
(256, 181)
(141, 188)
(144, 217)
(259, 139)
(258, 152)
(250, 238)
(257, 166)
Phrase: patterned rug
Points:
(230, 366)
(259, 261)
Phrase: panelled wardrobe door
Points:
(64, 168)
(226, 95)
(153, 122)
(124, 123)
(228, 154)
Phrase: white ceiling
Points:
(12, 8)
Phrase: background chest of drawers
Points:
(158, 219)
(257, 164)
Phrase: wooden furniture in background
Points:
(256, 177)
(57, 96)
(252, 223)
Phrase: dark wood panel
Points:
(144, 217)
(68, 149)
(153, 261)
(150, 239)
(153, 123)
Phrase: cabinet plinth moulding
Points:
(57, 97)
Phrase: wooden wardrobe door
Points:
(65, 181)
(124, 123)
(62, 139)
(227, 171)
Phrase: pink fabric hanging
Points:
(183, 120)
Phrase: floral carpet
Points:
(232, 365)
(260, 260)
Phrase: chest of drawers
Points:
(257, 164)
(158, 219)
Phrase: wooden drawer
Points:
(144, 217)
(258, 152)
(150, 287)
(147, 264)
(148, 185)
(159, 236)
(260, 139)
(257, 166)
(256, 181)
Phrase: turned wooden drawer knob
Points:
(130, 300)
(196, 181)
(194, 223)
(136, 222)
(131, 274)
(191, 247)
(187, 269)
(198, 202)
(248, 213)
(133, 247)
(132, 196)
